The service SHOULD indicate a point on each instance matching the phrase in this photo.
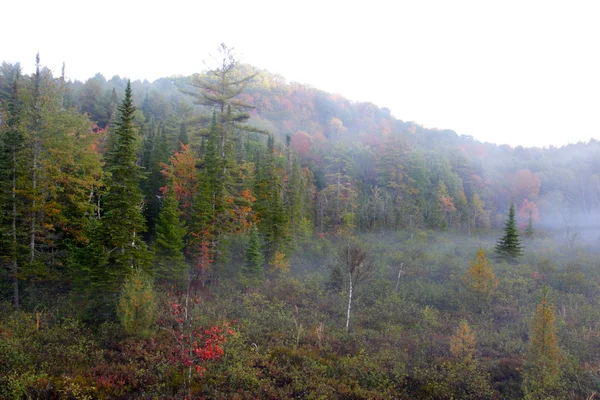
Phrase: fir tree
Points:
(11, 146)
(509, 246)
(123, 221)
(170, 232)
(183, 135)
(156, 179)
(252, 272)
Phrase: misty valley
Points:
(232, 235)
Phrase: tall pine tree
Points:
(11, 145)
(122, 220)
(169, 244)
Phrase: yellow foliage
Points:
(462, 343)
(279, 263)
(542, 374)
(543, 347)
(480, 278)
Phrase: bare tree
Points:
(355, 263)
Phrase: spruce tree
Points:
(11, 147)
(170, 232)
(252, 271)
(159, 155)
(509, 246)
(122, 220)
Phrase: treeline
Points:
(387, 173)
(82, 204)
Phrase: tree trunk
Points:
(33, 205)
(400, 271)
(15, 264)
(349, 302)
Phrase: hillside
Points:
(233, 235)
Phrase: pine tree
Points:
(169, 244)
(156, 179)
(11, 146)
(183, 135)
(542, 374)
(509, 246)
(123, 221)
(252, 272)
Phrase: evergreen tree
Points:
(123, 221)
(509, 246)
(169, 244)
(11, 146)
(252, 272)
(156, 179)
(137, 304)
(183, 135)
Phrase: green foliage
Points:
(122, 220)
(138, 304)
(170, 232)
(509, 246)
(252, 272)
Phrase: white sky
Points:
(518, 72)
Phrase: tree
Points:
(509, 246)
(530, 231)
(170, 233)
(542, 373)
(462, 343)
(123, 221)
(12, 140)
(480, 278)
(156, 179)
(357, 268)
(252, 272)
(137, 305)
(463, 375)
(478, 217)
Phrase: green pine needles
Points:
(509, 246)
(252, 272)
(123, 221)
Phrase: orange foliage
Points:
(480, 278)
(185, 177)
(462, 343)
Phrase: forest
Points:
(232, 235)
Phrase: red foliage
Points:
(194, 346)
(301, 143)
(447, 204)
(185, 177)
(523, 214)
